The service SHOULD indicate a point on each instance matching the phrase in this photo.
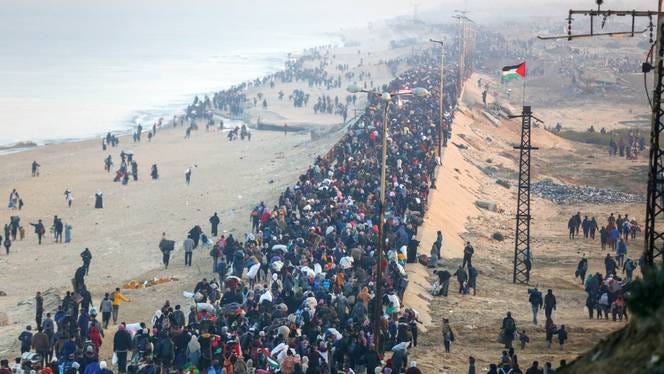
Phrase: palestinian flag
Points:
(511, 72)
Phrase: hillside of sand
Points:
(476, 144)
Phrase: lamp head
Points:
(420, 92)
(385, 96)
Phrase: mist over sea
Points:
(74, 69)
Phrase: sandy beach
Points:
(228, 177)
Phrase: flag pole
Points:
(523, 95)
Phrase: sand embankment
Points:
(477, 155)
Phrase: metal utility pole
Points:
(522, 255)
(654, 230)
(462, 58)
(465, 44)
(441, 109)
(386, 98)
(654, 243)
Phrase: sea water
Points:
(71, 70)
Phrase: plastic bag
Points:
(253, 271)
(114, 361)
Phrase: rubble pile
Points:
(566, 194)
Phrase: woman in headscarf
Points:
(193, 350)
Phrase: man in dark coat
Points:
(468, 252)
(39, 308)
(443, 280)
(214, 223)
(122, 345)
(462, 277)
(86, 256)
(166, 247)
(549, 303)
(195, 235)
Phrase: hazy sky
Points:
(70, 18)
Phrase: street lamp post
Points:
(440, 104)
(386, 97)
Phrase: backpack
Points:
(89, 343)
(509, 324)
(141, 342)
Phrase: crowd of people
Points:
(606, 291)
(298, 293)
(315, 68)
(615, 234)
(628, 147)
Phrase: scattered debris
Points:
(488, 205)
(494, 121)
(567, 194)
(498, 236)
(136, 284)
(489, 170)
(503, 183)
(460, 146)
(3, 293)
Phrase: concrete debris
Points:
(487, 205)
(494, 121)
(568, 194)
(498, 236)
(503, 183)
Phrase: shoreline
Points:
(126, 127)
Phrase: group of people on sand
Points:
(68, 337)
(616, 233)
(298, 293)
(110, 139)
(239, 132)
(15, 201)
(310, 68)
(466, 274)
(628, 148)
(606, 291)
